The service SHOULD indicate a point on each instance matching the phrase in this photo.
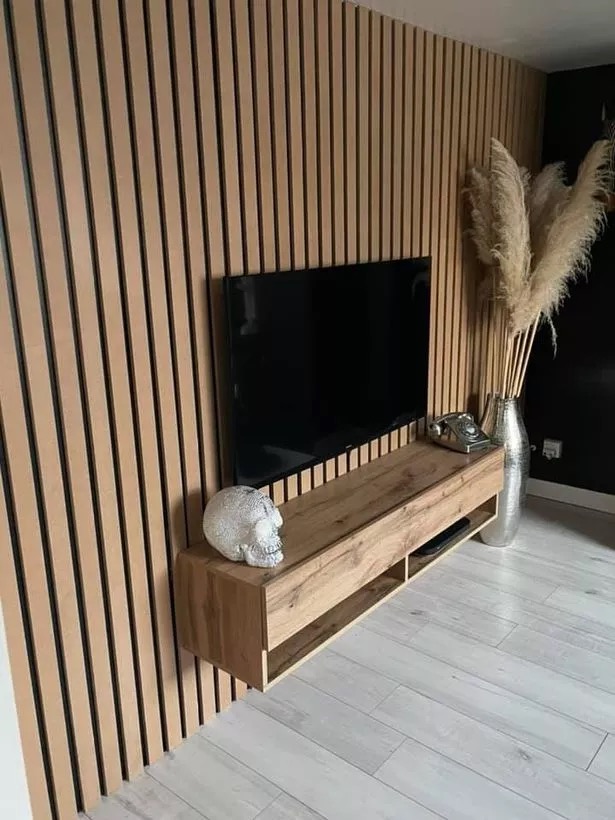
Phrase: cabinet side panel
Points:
(219, 619)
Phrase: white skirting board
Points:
(571, 495)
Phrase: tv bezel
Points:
(231, 370)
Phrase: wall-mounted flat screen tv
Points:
(323, 360)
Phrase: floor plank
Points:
(595, 559)
(562, 657)
(356, 738)
(453, 790)
(603, 764)
(347, 681)
(494, 705)
(584, 526)
(569, 549)
(539, 566)
(450, 586)
(576, 637)
(590, 604)
(303, 769)
(574, 698)
(286, 807)
(390, 620)
(423, 608)
(213, 782)
(500, 576)
(539, 777)
(144, 799)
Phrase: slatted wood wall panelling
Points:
(148, 151)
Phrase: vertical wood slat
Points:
(499, 324)
(445, 246)
(294, 114)
(397, 166)
(437, 208)
(497, 101)
(264, 138)
(349, 82)
(408, 142)
(427, 139)
(487, 133)
(186, 521)
(363, 132)
(190, 147)
(342, 39)
(471, 263)
(222, 41)
(492, 325)
(310, 132)
(323, 69)
(245, 126)
(198, 297)
(418, 114)
(481, 318)
(375, 246)
(219, 262)
(504, 101)
(512, 105)
(277, 80)
(459, 370)
(451, 374)
(210, 179)
(386, 92)
(337, 131)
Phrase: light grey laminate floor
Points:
(486, 689)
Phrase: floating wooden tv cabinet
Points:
(348, 547)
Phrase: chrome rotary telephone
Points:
(458, 431)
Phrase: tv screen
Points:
(323, 360)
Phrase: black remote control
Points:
(443, 538)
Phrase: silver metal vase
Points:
(504, 424)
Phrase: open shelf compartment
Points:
(285, 657)
(299, 647)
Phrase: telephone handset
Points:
(458, 431)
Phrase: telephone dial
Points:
(458, 431)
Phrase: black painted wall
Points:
(572, 397)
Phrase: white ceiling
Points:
(547, 34)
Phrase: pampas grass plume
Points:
(510, 224)
(535, 237)
(481, 213)
(569, 233)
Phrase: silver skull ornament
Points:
(243, 524)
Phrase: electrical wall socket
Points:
(552, 448)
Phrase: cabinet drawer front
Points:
(297, 598)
